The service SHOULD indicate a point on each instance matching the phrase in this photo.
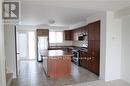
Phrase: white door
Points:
(23, 45)
(26, 47)
(32, 45)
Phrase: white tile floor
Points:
(32, 74)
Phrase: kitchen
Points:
(83, 49)
(65, 42)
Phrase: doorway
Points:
(26, 47)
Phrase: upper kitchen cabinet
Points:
(94, 31)
(68, 35)
(91, 35)
(42, 32)
(97, 30)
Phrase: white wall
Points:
(9, 33)
(125, 12)
(113, 47)
(2, 54)
(125, 73)
(2, 57)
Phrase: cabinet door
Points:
(97, 57)
(91, 44)
(82, 59)
(88, 61)
(94, 31)
(95, 65)
(97, 30)
(94, 55)
(42, 32)
(91, 34)
(68, 34)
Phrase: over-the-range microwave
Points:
(81, 38)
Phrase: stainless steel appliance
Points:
(76, 56)
(42, 47)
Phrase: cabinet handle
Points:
(89, 58)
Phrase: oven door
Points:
(76, 57)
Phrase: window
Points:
(55, 37)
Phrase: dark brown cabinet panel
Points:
(94, 31)
(83, 59)
(68, 35)
(42, 32)
(91, 34)
(97, 30)
(92, 60)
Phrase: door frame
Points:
(2, 53)
(16, 34)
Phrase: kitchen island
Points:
(57, 63)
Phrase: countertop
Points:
(70, 47)
(54, 47)
(51, 53)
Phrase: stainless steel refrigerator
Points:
(42, 47)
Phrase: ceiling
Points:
(65, 12)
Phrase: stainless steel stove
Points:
(76, 56)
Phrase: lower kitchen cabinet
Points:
(83, 59)
(90, 62)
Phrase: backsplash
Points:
(71, 43)
(65, 43)
(80, 43)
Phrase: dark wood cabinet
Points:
(91, 59)
(97, 30)
(68, 35)
(94, 31)
(42, 32)
(91, 30)
(79, 32)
